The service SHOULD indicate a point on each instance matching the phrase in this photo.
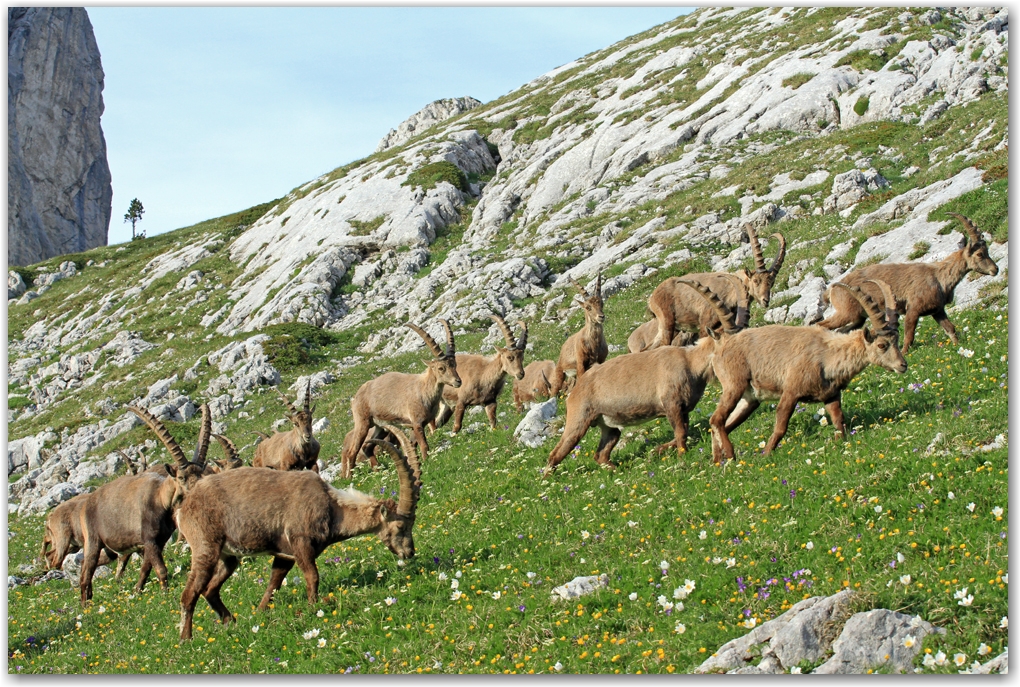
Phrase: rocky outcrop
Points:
(58, 191)
(430, 115)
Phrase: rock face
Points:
(58, 190)
(430, 115)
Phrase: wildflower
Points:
(900, 557)
(810, 545)
(909, 641)
(1004, 623)
(379, 574)
(966, 352)
(320, 613)
(878, 509)
(522, 608)
(496, 595)
(390, 601)
(632, 596)
(971, 506)
(680, 628)
(823, 421)
(666, 604)
(530, 575)
(664, 565)
(558, 666)
(631, 523)
(966, 601)
(795, 670)
(1005, 578)
(997, 512)
(455, 584)
(750, 623)
(703, 535)
(457, 574)
(585, 534)
(436, 665)
(322, 643)
(177, 570)
(680, 593)
(102, 609)
(730, 562)
(283, 664)
(940, 658)
(960, 659)
(456, 595)
(928, 661)
(984, 649)
(442, 577)
(905, 580)
(689, 585)
(950, 496)
(255, 628)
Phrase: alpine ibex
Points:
(646, 337)
(587, 347)
(920, 288)
(535, 383)
(635, 387)
(293, 450)
(63, 535)
(135, 512)
(292, 516)
(482, 379)
(674, 307)
(797, 364)
(402, 399)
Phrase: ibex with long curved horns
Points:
(135, 512)
(675, 307)
(296, 449)
(402, 399)
(584, 348)
(482, 379)
(920, 289)
(796, 364)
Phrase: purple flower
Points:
(747, 612)
(520, 536)
(435, 559)
(784, 482)
(522, 608)
(793, 493)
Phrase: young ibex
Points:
(535, 384)
(292, 516)
(482, 379)
(63, 535)
(920, 288)
(797, 364)
(646, 337)
(586, 347)
(635, 387)
(402, 399)
(676, 307)
(293, 450)
(135, 512)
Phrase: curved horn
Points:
(127, 459)
(743, 312)
(308, 394)
(975, 235)
(584, 294)
(407, 447)
(892, 316)
(873, 311)
(522, 342)
(780, 256)
(290, 406)
(408, 499)
(162, 434)
(228, 448)
(725, 316)
(759, 259)
(429, 341)
(507, 334)
(451, 349)
(203, 436)
(598, 285)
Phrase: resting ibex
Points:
(674, 307)
(797, 364)
(292, 516)
(293, 450)
(402, 399)
(635, 387)
(135, 512)
(586, 347)
(482, 379)
(646, 336)
(535, 383)
(920, 288)
(63, 535)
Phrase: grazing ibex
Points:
(402, 399)
(586, 347)
(646, 337)
(135, 512)
(293, 450)
(674, 306)
(482, 379)
(797, 364)
(920, 288)
(636, 387)
(63, 535)
(535, 383)
(292, 516)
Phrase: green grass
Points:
(798, 80)
(427, 176)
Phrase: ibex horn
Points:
(584, 294)
(598, 285)
(161, 432)
(290, 406)
(759, 259)
(203, 436)
(892, 316)
(975, 236)
(228, 448)
(429, 341)
(451, 349)
(874, 312)
(127, 459)
(408, 498)
(743, 314)
(407, 447)
(522, 342)
(725, 316)
(507, 334)
(308, 394)
(780, 256)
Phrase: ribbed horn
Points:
(228, 448)
(290, 406)
(892, 316)
(130, 464)
(507, 334)
(203, 436)
(451, 349)
(522, 342)
(584, 294)
(743, 313)
(780, 256)
(162, 434)
(408, 496)
(598, 284)
(759, 259)
(308, 394)
(725, 316)
(975, 236)
(874, 312)
(429, 341)
(407, 446)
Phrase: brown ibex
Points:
(584, 348)
(675, 307)
(646, 337)
(797, 364)
(296, 449)
(635, 387)
(135, 512)
(920, 289)
(63, 535)
(292, 516)
(535, 383)
(402, 399)
(482, 379)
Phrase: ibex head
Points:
(593, 303)
(882, 340)
(512, 357)
(396, 526)
(301, 419)
(444, 363)
(760, 282)
(232, 460)
(184, 472)
(976, 252)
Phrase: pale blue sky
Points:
(213, 110)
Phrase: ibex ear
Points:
(171, 469)
(383, 511)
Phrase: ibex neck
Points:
(845, 357)
(593, 328)
(950, 271)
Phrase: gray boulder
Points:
(534, 429)
(15, 285)
(875, 639)
(430, 115)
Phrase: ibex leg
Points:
(281, 566)
(458, 417)
(943, 319)
(442, 417)
(202, 566)
(787, 404)
(352, 447)
(556, 383)
(423, 445)
(490, 410)
(909, 327)
(747, 405)
(666, 325)
(304, 556)
(122, 562)
(224, 569)
(722, 447)
(152, 557)
(836, 413)
(88, 568)
(572, 435)
(679, 419)
(607, 442)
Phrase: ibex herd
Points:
(280, 507)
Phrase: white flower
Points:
(960, 659)
(950, 496)
(750, 623)
(900, 557)
(806, 461)
(102, 609)
(703, 535)
(823, 421)
(795, 670)
(666, 604)
(730, 562)
(454, 584)
(905, 580)
(530, 575)
(311, 634)
(632, 596)
(458, 574)
(984, 649)
(379, 574)
(255, 628)
(966, 601)
(810, 545)
(456, 595)
(177, 570)
(390, 601)
(1004, 623)
(283, 664)
(966, 352)
(680, 593)
(909, 641)
(1005, 578)
(631, 523)
(664, 565)
(761, 444)
(436, 665)
(689, 585)
(960, 593)
(717, 560)
(997, 512)
(585, 534)
(442, 577)
(971, 506)
(320, 613)
(680, 628)
(496, 595)
(940, 658)
(322, 643)
(878, 509)
(928, 661)
(558, 666)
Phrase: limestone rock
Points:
(851, 187)
(15, 285)
(533, 430)
(581, 586)
(874, 639)
(430, 115)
